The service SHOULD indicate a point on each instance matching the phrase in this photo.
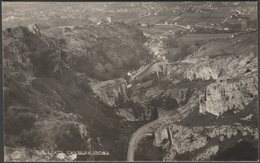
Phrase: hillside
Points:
(49, 100)
(135, 81)
(206, 104)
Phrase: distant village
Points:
(240, 16)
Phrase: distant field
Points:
(214, 16)
(169, 27)
(196, 37)
(151, 31)
(150, 19)
(127, 17)
(159, 30)
(240, 42)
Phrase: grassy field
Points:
(196, 37)
(152, 19)
(239, 44)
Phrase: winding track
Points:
(136, 137)
(173, 116)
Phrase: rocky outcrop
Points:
(194, 140)
(135, 112)
(221, 63)
(226, 85)
(233, 94)
(229, 131)
(207, 154)
(214, 68)
(111, 92)
(184, 140)
(114, 94)
(34, 29)
(180, 95)
(161, 136)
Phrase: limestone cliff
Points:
(204, 140)
(207, 102)
(234, 94)
(114, 94)
(111, 92)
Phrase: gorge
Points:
(128, 92)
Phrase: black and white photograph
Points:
(128, 81)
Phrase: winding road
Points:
(172, 116)
(136, 137)
(143, 131)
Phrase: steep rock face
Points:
(112, 92)
(214, 68)
(159, 92)
(134, 111)
(181, 95)
(232, 94)
(184, 140)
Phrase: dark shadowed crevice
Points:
(243, 151)
(147, 152)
